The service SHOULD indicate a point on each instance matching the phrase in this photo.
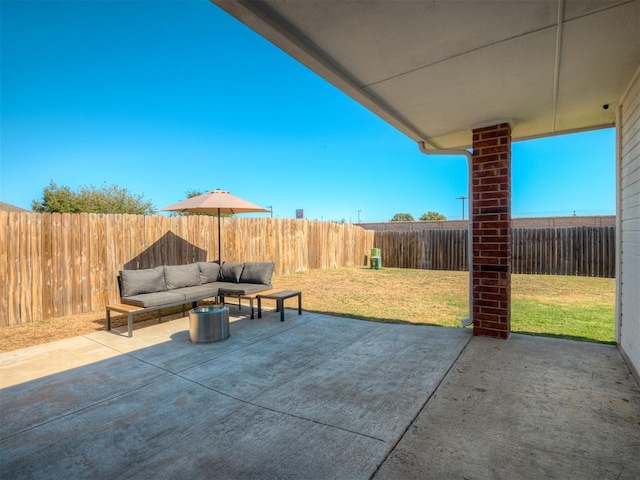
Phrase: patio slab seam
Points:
(132, 355)
(421, 409)
(84, 408)
(280, 412)
(372, 333)
(238, 399)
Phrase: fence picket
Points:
(84, 265)
(24, 244)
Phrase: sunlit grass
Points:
(581, 308)
(581, 321)
(564, 306)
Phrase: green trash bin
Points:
(376, 259)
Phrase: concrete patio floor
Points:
(317, 397)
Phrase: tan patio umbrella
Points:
(217, 201)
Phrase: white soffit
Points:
(434, 68)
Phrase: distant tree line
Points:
(114, 199)
(407, 217)
(91, 199)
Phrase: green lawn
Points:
(579, 308)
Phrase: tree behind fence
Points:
(585, 251)
(53, 265)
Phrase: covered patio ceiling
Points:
(436, 69)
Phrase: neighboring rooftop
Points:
(531, 222)
(11, 208)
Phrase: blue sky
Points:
(163, 97)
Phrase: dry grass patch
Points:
(21, 336)
(50, 330)
(563, 289)
(390, 294)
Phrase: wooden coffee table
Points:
(280, 297)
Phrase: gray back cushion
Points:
(178, 276)
(257, 272)
(209, 271)
(148, 280)
(230, 272)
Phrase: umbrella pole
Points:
(219, 237)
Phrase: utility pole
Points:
(463, 198)
(270, 207)
(359, 215)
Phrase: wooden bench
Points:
(131, 310)
(279, 297)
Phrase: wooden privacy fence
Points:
(584, 251)
(53, 265)
(424, 249)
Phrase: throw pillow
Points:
(209, 271)
(257, 272)
(178, 276)
(230, 272)
(147, 280)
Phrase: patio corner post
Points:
(491, 242)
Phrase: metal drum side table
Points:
(208, 324)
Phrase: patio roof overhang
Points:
(437, 69)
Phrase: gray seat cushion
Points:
(154, 299)
(147, 280)
(257, 272)
(178, 276)
(198, 291)
(244, 289)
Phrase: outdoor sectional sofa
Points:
(165, 286)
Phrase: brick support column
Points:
(491, 242)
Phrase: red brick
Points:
(494, 295)
(483, 143)
(490, 224)
(487, 284)
(495, 239)
(478, 260)
(485, 158)
(488, 332)
(491, 133)
(493, 187)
